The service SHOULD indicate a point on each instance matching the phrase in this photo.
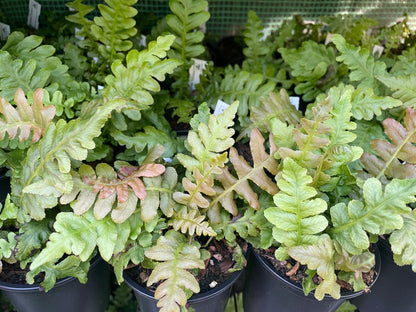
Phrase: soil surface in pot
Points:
(216, 268)
(12, 273)
(295, 272)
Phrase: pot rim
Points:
(299, 289)
(195, 297)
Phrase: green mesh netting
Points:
(228, 17)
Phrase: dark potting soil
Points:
(295, 272)
(12, 273)
(216, 268)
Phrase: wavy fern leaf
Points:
(402, 241)
(196, 192)
(70, 266)
(324, 141)
(207, 146)
(32, 237)
(73, 235)
(81, 235)
(209, 141)
(142, 73)
(406, 63)
(379, 212)
(256, 49)
(7, 247)
(297, 216)
(190, 222)
(114, 27)
(396, 156)
(40, 57)
(26, 119)
(29, 64)
(363, 68)
(320, 257)
(159, 195)
(315, 68)
(110, 191)
(79, 17)
(403, 87)
(366, 105)
(45, 173)
(175, 256)
(262, 162)
(144, 140)
(17, 74)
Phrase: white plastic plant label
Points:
(294, 100)
(195, 72)
(328, 38)
(4, 31)
(378, 50)
(220, 107)
(99, 88)
(76, 34)
(34, 13)
(142, 41)
(266, 33)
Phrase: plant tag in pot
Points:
(34, 13)
(378, 50)
(142, 41)
(195, 72)
(4, 31)
(220, 108)
(328, 38)
(294, 100)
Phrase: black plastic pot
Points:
(265, 290)
(395, 288)
(4, 187)
(214, 300)
(68, 294)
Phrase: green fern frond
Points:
(134, 81)
(114, 28)
(175, 256)
(45, 173)
(363, 68)
(315, 68)
(402, 87)
(324, 141)
(379, 212)
(257, 48)
(29, 120)
(191, 222)
(297, 216)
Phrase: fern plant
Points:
(185, 23)
(199, 202)
(81, 208)
(108, 36)
(324, 214)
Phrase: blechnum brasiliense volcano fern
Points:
(59, 206)
(325, 214)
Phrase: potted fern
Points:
(322, 216)
(387, 159)
(51, 144)
(197, 239)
